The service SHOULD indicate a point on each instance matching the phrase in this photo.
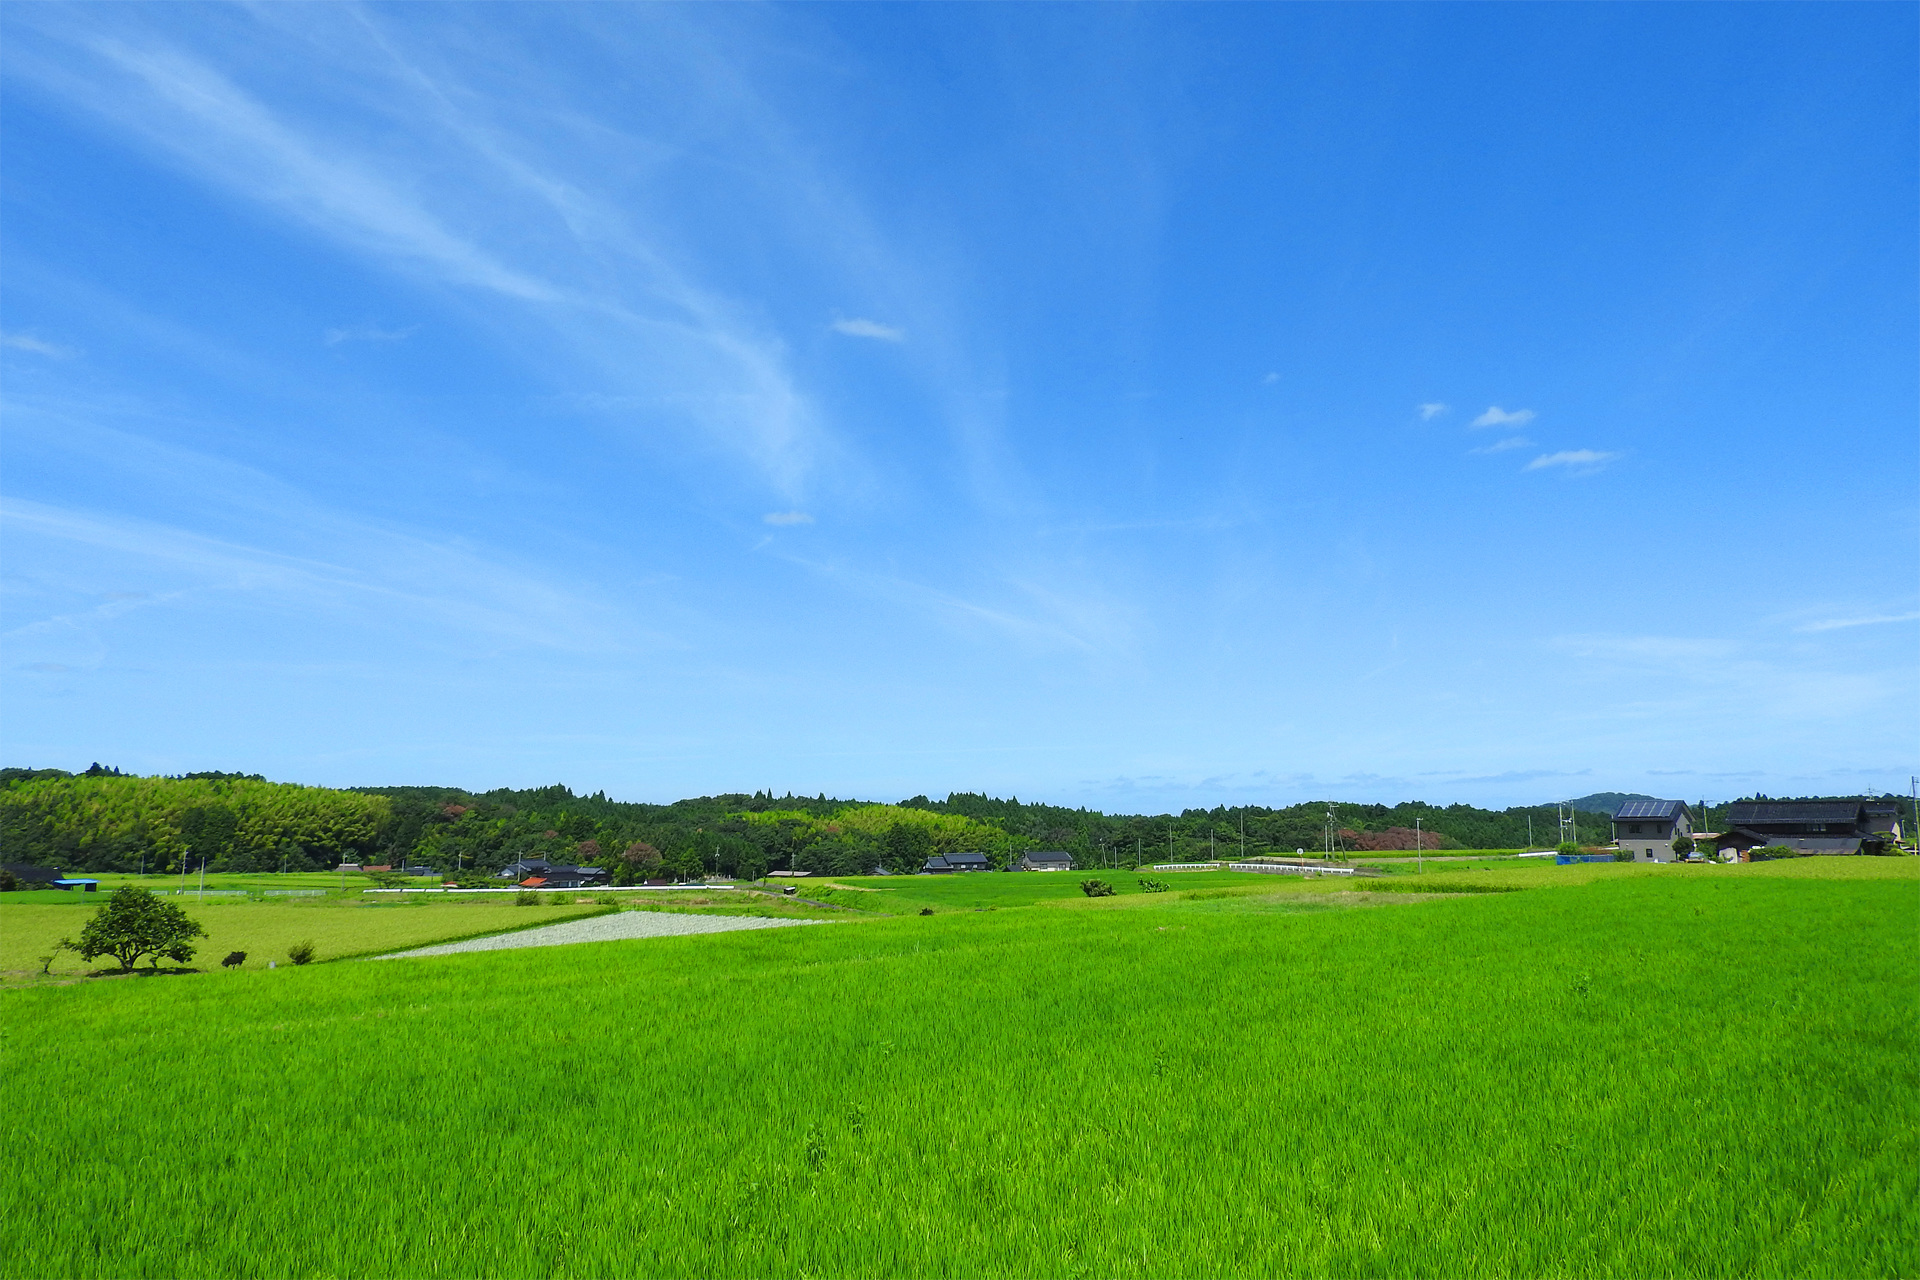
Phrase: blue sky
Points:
(1135, 406)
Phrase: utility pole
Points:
(1419, 849)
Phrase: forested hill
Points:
(105, 821)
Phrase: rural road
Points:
(628, 924)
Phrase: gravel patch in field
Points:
(628, 924)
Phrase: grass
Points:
(1707, 1071)
(30, 923)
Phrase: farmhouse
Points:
(1647, 828)
(947, 863)
(538, 873)
(1807, 826)
(1049, 860)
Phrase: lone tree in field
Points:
(133, 924)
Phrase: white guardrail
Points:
(1289, 869)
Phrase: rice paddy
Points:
(1612, 1070)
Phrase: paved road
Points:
(627, 924)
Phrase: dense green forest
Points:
(102, 820)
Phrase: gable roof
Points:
(1662, 809)
(971, 859)
(1050, 855)
(1793, 811)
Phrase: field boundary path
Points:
(613, 928)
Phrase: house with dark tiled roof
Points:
(1805, 826)
(1046, 860)
(538, 873)
(1648, 828)
(946, 863)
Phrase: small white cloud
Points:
(1574, 459)
(368, 333)
(39, 346)
(1270, 379)
(857, 328)
(1428, 412)
(1498, 417)
(1871, 620)
(1501, 446)
(787, 517)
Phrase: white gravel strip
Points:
(612, 928)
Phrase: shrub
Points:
(1772, 852)
(1096, 888)
(1153, 886)
(526, 898)
(1567, 847)
(559, 899)
(607, 900)
(1623, 855)
(301, 953)
(7, 882)
(926, 911)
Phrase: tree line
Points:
(103, 820)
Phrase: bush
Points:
(526, 898)
(1774, 852)
(7, 882)
(1096, 888)
(1623, 855)
(1568, 847)
(1153, 886)
(301, 953)
(607, 900)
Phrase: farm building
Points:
(1048, 860)
(32, 877)
(947, 863)
(1883, 819)
(1807, 826)
(552, 875)
(1647, 828)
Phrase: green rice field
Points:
(1602, 1069)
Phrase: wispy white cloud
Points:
(858, 328)
(1578, 460)
(444, 194)
(1498, 417)
(1501, 446)
(1270, 379)
(787, 517)
(1867, 620)
(1431, 410)
(38, 346)
(368, 333)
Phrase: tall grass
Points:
(1637, 1076)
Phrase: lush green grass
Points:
(1640, 1074)
(30, 923)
